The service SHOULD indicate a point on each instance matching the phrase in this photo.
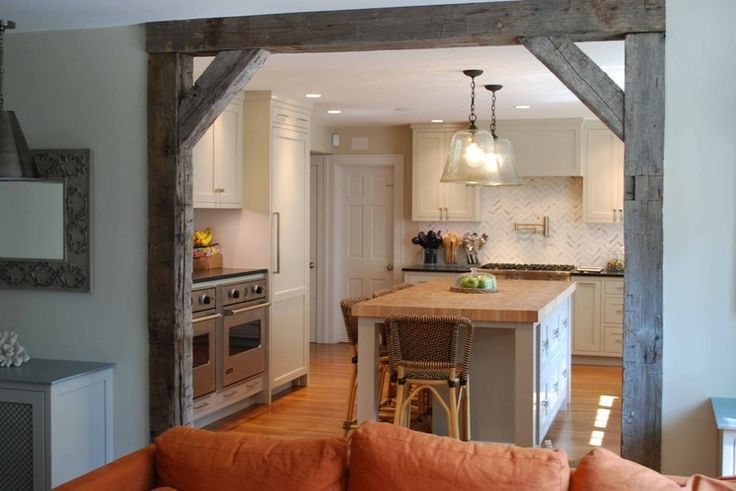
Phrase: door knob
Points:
(390, 267)
(311, 265)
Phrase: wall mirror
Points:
(45, 224)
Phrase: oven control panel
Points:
(205, 299)
(245, 291)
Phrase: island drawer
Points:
(613, 340)
(613, 287)
(613, 310)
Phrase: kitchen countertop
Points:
(202, 275)
(601, 273)
(440, 268)
(515, 301)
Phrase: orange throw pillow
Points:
(387, 457)
(202, 460)
(603, 470)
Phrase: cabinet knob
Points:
(390, 267)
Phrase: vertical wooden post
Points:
(641, 426)
(170, 228)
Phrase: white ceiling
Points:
(371, 88)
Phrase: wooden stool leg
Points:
(453, 420)
(348, 423)
(465, 409)
(398, 412)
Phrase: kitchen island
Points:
(520, 364)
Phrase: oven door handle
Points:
(206, 318)
(245, 309)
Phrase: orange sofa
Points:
(378, 456)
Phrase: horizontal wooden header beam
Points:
(439, 26)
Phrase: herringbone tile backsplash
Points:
(571, 240)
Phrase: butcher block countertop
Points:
(521, 301)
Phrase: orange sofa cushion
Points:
(603, 470)
(133, 472)
(387, 457)
(202, 460)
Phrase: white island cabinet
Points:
(56, 422)
(520, 362)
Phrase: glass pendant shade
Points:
(470, 152)
(500, 168)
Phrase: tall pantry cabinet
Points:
(277, 183)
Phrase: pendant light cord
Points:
(493, 114)
(472, 117)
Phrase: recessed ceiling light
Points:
(438, 121)
(313, 96)
(334, 111)
(522, 107)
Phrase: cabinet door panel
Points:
(429, 150)
(544, 149)
(290, 160)
(603, 176)
(586, 317)
(203, 162)
(288, 338)
(228, 151)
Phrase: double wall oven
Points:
(230, 324)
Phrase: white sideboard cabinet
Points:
(55, 422)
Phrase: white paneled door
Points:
(366, 226)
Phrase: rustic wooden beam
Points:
(437, 26)
(225, 77)
(641, 412)
(583, 77)
(170, 227)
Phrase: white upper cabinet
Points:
(603, 174)
(544, 147)
(217, 160)
(431, 199)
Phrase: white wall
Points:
(87, 89)
(699, 229)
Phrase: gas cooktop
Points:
(528, 267)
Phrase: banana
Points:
(202, 238)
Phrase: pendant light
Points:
(469, 149)
(501, 164)
(15, 157)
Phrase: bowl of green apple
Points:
(475, 282)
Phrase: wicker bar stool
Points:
(351, 328)
(425, 352)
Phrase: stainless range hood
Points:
(15, 157)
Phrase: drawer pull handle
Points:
(564, 373)
(565, 321)
(556, 387)
(201, 405)
(545, 344)
(556, 333)
(619, 311)
(230, 394)
(282, 115)
(229, 371)
(304, 120)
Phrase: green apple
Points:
(487, 282)
(469, 282)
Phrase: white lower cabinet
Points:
(56, 422)
(598, 316)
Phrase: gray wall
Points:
(87, 89)
(699, 229)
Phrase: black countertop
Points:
(464, 268)
(439, 268)
(39, 371)
(202, 275)
(614, 274)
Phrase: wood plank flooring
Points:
(318, 409)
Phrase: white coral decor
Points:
(12, 354)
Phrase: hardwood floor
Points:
(318, 409)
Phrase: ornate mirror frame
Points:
(73, 272)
